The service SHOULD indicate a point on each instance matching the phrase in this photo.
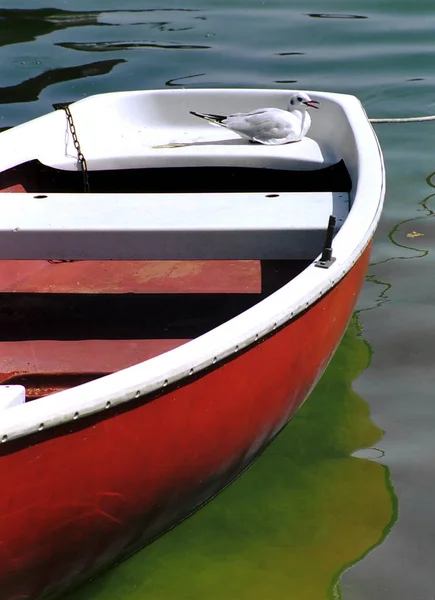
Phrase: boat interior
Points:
(36, 177)
(66, 320)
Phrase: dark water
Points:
(341, 505)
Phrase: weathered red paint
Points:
(64, 363)
(13, 189)
(133, 276)
(72, 504)
(57, 364)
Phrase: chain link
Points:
(80, 156)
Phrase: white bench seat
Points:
(199, 147)
(167, 226)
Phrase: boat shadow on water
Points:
(305, 512)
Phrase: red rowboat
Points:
(170, 295)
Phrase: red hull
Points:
(80, 497)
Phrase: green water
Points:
(289, 526)
(317, 516)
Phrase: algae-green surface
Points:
(289, 526)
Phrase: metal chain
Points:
(80, 156)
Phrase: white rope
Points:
(404, 120)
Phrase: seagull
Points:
(271, 126)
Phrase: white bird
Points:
(269, 125)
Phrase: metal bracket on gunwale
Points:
(327, 259)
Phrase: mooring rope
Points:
(404, 120)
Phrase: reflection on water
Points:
(18, 25)
(288, 528)
(112, 46)
(29, 90)
(335, 16)
(181, 81)
(154, 29)
(407, 233)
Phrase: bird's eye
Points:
(299, 99)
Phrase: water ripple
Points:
(112, 46)
(174, 82)
(30, 89)
(335, 16)
(289, 53)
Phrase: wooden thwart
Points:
(167, 226)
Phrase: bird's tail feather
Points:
(216, 119)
